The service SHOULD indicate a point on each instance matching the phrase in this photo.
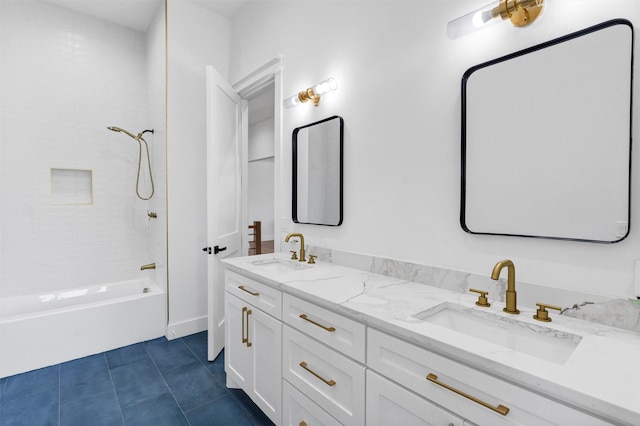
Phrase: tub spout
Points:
(148, 266)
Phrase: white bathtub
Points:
(46, 329)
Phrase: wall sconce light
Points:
(519, 12)
(313, 93)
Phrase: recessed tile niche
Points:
(71, 186)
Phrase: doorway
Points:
(261, 93)
(261, 170)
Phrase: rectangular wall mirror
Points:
(318, 172)
(546, 139)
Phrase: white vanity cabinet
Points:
(253, 342)
(318, 350)
(471, 394)
(307, 361)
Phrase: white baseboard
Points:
(185, 328)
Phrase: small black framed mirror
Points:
(318, 172)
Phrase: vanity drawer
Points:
(390, 404)
(330, 379)
(299, 410)
(409, 365)
(263, 297)
(335, 330)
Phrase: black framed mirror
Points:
(546, 139)
(318, 172)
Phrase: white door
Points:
(224, 178)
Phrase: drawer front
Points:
(299, 410)
(390, 404)
(334, 330)
(330, 379)
(409, 365)
(263, 297)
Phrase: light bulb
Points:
(471, 21)
(325, 86)
(292, 101)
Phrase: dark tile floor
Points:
(154, 383)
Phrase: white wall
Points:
(65, 77)
(399, 93)
(196, 38)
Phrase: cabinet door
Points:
(238, 356)
(388, 403)
(265, 336)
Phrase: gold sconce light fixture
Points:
(312, 94)
(519, 12)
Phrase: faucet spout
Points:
(148, 266)
(297, 234)
(511, 307)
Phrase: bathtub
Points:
(46, 329)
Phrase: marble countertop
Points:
(601, 375)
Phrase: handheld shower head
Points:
(139, 138)
(118, 129)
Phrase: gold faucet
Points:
(511, 307)
(297, 234)
(148, 266)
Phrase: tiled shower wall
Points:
(157, 95)
(65, 77)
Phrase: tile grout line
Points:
(113, 385)
(146, 348)
(251, 418)
(59, 395)
(226, 393)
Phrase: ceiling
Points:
(138, 14)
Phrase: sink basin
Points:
(535, 340)
(279, 265)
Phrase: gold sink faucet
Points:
(297, 234)
(511, 307)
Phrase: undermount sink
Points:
(279, 265)
(535, 340)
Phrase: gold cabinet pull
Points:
(241, 287)
(501, 409)
(329, 382)
(248, 342)
(244, 311)
(329, 329)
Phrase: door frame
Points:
(268, 73)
